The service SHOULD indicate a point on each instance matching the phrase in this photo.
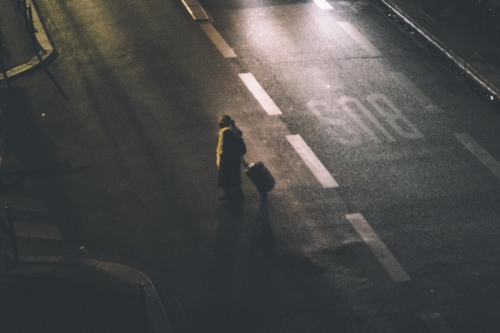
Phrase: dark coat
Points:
(228, 158)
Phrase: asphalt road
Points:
(385, 214)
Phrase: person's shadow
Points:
(268, 242)
(239, 270)
(261, 259)
(220, 279)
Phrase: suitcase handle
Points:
(244, 163)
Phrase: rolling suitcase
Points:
(259, 175)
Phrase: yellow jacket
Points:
(220, 144)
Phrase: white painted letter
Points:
(396, 119)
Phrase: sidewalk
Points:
(79, 295)
(66, 292)
(464, 34)
(17, 47)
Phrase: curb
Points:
(157, 315)
(45, 53)
(487, 88)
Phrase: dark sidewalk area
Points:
(478, 22)
(16, 45)
(72, 300)
(463, 34)
(56, 294)
(24, 43)
(55, 289)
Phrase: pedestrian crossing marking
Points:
(37, 231)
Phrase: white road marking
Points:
(482, 155)
(218, 41)
(260, 94)
(196, 10)
(30, 204)
(436, 323)
(384, 256)
(360, 39)
(37, 231)
(418, 94)
(310, 159)
(323, 4)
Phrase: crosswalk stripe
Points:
(37, 231)
(26, 203)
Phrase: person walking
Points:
(230, 148)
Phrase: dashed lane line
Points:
(384, 256)
(195, 10)
(482, 155)
(360, 39)
(434, 321)
(323, 4)
(218, 40)
(260, 94)
(312, 161)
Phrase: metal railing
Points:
(26, 9)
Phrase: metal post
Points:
(10, 221)
(31, 29)
(3, 265)
(25, 14)
(20, 5)
(9, 255)
(2, 63)
(144, 309)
